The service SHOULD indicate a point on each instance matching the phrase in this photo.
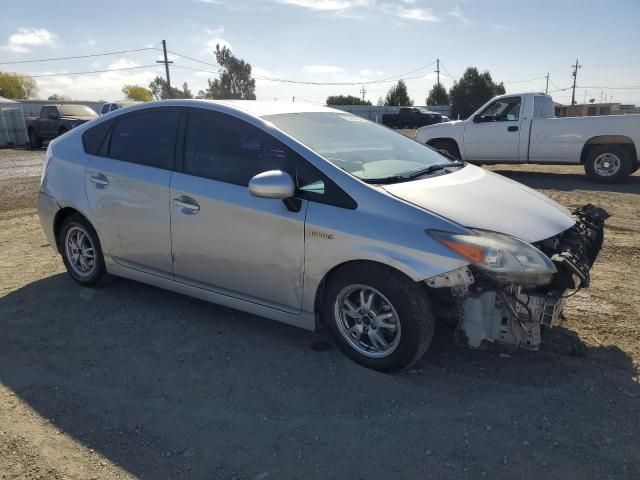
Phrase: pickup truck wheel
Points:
(608, 163)
(379, 318)
(34, 140)
(448, 146)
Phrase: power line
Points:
(78, 56)
(77, 73)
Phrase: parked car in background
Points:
(307, 214)
(55, 120)
(522, 128)
(411, 117)
(110, 107)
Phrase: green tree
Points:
(235, 80)
(346, 100)
(472, 91)
(136, 93)
(398, 95)
(437, 96)
(58, 98)
(160, 90)
(16, 86)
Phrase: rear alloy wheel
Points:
(81, 251)
(608, 163)
(379, 317)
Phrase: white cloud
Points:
(404, 9)
(323, 70)
(457, 12)
(211, 45)
(25, 38)
(209, 2)
(420, 14)
(215, 31)
(326, 5)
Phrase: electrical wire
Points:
(78, 73)
(78, 56)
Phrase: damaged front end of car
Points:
(512, 291)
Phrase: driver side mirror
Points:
(478, 119)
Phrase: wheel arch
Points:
(618, 140)
(320, 290)
(59, 218)
(432, 141)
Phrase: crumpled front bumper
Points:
(575, 250)
(518, 314)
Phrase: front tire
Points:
(81, 251)
(608, 163)
(379, 317)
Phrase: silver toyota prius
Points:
(312, 216)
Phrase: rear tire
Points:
(608, 163)
(448, 146)
(379, 317)
(81, 251)
(34, 140)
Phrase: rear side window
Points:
(105, 109)
(147, 138)
(227, 149)
(95, 137)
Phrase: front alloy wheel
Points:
(378, 316)
(367, 321)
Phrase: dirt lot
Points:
(131, 381)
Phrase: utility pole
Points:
(363, 92)
(575, 76)
(438, 70)
(166, 66)
(546, 90)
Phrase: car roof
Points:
(256, 108)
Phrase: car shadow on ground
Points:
(569, 181)
(168, 386)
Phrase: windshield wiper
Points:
(414, 174)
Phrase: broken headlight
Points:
(504, 258)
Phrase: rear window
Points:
(146, 137)
(94, 138)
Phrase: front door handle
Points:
(187, 205)
(99, 179)
(512, 129)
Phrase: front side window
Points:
(503, 110)
(362, 148)
(146, 137)
(227, 149)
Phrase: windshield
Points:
(362, 148)
(76, 111)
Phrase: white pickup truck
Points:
(523, 128)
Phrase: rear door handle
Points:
(512, 129)
(187, 205)
(99, 179)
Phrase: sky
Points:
(323, 41)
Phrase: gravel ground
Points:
(131, 381)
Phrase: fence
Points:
(374, 112)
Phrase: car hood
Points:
(476, 198)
